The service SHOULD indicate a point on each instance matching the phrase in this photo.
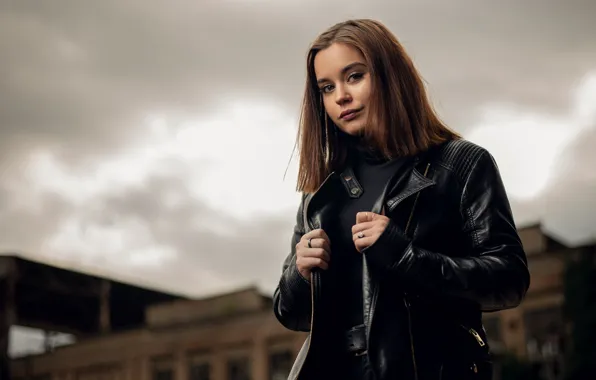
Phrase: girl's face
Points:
(345, 84)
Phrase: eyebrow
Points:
(343, 71)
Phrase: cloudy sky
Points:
(147, 140)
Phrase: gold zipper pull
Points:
(477, 336)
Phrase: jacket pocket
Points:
(467, 355)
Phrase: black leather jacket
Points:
(450, 252)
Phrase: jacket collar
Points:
(408, 181)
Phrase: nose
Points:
(342, 96)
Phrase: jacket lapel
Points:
(405, 184)
(318, 204)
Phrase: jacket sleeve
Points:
(493, 273)
(292, 297)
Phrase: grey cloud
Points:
(247, 253)
(567, 207)
(24, 229)
(81, 74)
(570, 202)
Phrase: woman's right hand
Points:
(315, 256)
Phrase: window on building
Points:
(199, 366)
(280, 364)
(543, 324)
(162, 369)
(200, 371)
(97, 372)
(163, 374)
(545, 339)
(239, 368)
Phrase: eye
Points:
(326, 89)
(355, 76)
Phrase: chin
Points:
(353, 130)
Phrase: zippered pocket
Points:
(469, 358)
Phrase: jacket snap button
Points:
(354, 191)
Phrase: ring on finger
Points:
(360, 235)
(309, 243)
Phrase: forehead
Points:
(331, 61)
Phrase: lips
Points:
(347, 113)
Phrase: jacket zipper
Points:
(412, 350)
(406, 302)
(479, 340)
(374, 293)
(475, 334)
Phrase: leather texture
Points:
(355, 340)
(450, 252)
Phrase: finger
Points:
(319, 233)
(364, 235)
(364, 242)
(360, 234)
(371, 217)
(362, 226)
(319, 243)
(315, 243)
(317, 253)
(312, 262)
(365, 216)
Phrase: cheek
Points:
(363, 90)
(330, 107)
(365, 94)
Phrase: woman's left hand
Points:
(369, 226)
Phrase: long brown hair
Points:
(402, 120)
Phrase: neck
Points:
(360, 149)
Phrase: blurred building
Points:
(536, 330)
(233, 336)
(125, 332)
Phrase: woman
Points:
(404, 235)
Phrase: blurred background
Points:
(144, 212)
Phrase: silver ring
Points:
(309, 245)
(360, 235)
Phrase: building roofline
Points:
(94, 271)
